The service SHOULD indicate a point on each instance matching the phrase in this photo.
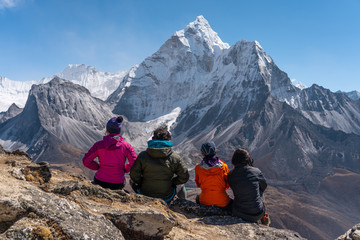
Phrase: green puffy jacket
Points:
(157, 170)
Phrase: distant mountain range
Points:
(354, 95)
(13, 92)
(204, 90)
(100, 84)
(10, 113)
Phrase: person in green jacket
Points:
(159, 172)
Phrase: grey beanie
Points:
(208, 149)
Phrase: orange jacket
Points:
(213, 183)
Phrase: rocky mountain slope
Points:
(332, 110)
(354, 95)
(37, 202)
(352, 234)
(59, 118)
(10, 113)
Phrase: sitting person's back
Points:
(211, 177)
(247, 184)
(158, 170)
(112, 153)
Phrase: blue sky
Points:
(312, 41)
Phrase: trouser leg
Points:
(134, 186)
(197, 199)
(181, 191)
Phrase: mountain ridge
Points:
(12, 111)
(100, 84)
(50, 111)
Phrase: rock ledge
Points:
(37, 202)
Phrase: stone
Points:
(17, 173)
(2, 150)
(18, 152)
(352, 234)
(42, 233)
(142, 224)
(10, 212)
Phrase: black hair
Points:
(242, 156)
(162, 133)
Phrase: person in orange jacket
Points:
(211, 177)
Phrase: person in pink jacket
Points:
(112, 153)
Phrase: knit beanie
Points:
(208, 149)
(114, 125)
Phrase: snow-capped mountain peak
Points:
(199, 37)
(298, 84)
(100, 84)
(13, 92)
(78, 70)
(261, 52)
(11, 112)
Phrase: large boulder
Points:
(351, 234)
(137, 216)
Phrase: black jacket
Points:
(247, 184)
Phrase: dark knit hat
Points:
(208, 149)
(114, 125)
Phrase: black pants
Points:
(181, 191)
(250, 218)
(228, 207)
(112, 186)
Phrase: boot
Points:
(265, 220)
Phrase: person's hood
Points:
(211, 161)
(211, 169)
(159, 152)
(159, 143)
(113, 141)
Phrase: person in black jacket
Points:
(247, 183)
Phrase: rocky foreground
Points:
(352, 234)
(38, 202)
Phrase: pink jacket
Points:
(111, 152)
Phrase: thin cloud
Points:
(8, 3)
